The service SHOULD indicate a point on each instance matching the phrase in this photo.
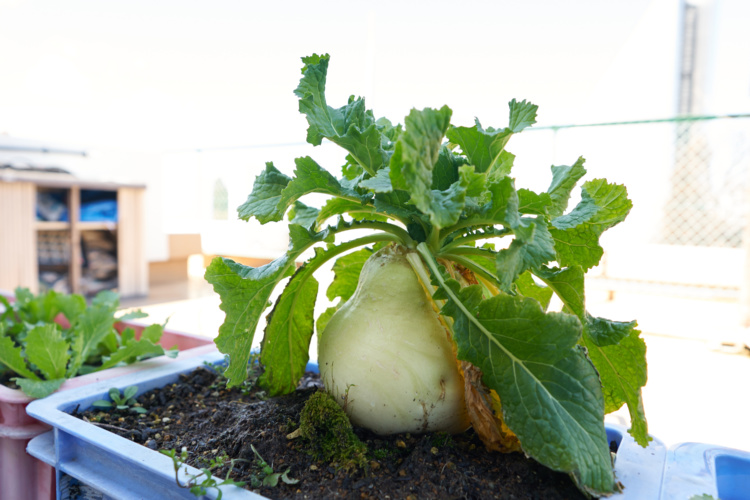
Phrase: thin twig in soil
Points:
(112, 427)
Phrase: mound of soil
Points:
(199, 413)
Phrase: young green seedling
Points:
(267, 476)
(126, 401)
(199, 484)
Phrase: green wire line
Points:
(676, 119)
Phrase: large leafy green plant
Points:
(48, 338)
(492, 256)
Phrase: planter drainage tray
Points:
(122, 469)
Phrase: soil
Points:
(5, 379)
(199, 413)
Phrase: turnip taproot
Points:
(386, 357)
(446, 325)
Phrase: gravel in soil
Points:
(199, 413)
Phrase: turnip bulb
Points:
(386, 357)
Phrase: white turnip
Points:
(386, 357)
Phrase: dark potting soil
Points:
(200, 413)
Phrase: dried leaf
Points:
(485, 412)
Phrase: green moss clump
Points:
(326, 428)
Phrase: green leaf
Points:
(263, 200)
(114, 394)
(357, 210)
(310, 178)
(605, 332)
(564, 179)
(107, 299)
(577, 233)
(528, 288)
(303, 215)
(76, 359)
(12, 357)
(324, 318)
(532, 247)
(338, 206)
(245, 292)
(137, 314)
(568, 284)
(615, 348)
(502, 207)
(474, 182)
(482, 148)
(38, 389)
(502, 167)
(522, 115)
(152, 333)
(533, 203)
(129, 392)
(72, 306)
(396, 204)
(446, 206)
(48, 351)
(445, 171)
(131, 352)
(286, 343)
(381, 183)
(346, 273)
(549, 390)
(352, 127)
(623, 371)
(414, 158)
(93, 326)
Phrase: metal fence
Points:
(689, 178)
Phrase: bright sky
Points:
(193, 74)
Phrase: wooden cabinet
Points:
(47, 230)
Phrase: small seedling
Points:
(126, 401)
(200, 488)
(267, 476)
(248, 384)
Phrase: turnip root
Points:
(386, 357)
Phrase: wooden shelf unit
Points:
(20, 230)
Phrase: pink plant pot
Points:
(23, 477)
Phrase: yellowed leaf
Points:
(485, 412)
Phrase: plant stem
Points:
(401, 234)
(498, 233)
(424, 278)
(481, 252)
(473, 266)
(462, 224)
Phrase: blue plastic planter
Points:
(122, 469)
(701, 469)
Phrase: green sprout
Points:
(126, 401)
(199, 487)
(267, 476)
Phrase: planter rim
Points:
(17, 396)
